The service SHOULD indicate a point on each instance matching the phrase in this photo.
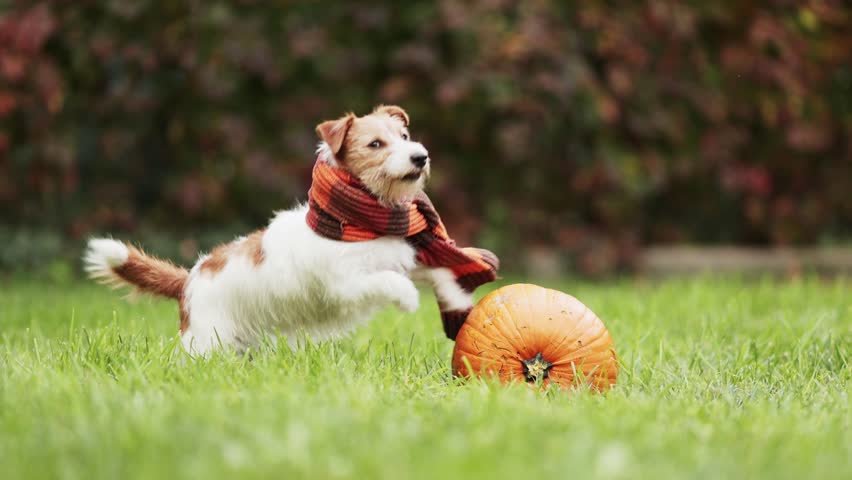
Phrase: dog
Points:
(287, 280)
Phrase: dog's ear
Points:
(393, 111)
(333, 132)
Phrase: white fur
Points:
(102, 255)
(399, 163)
(306, 284)
(444, 282)
(325, 154)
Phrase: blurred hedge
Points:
(592, 126)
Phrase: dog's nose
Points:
(419, 160)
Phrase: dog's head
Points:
(377, 149)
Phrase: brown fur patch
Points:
(334, 131)
(218, 258)
(393, 111)
(251, 247)
(152, 275)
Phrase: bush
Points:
(576, 126)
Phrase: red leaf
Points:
(7, 103)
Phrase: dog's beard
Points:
(395, 190)
(413, 176)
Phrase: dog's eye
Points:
(405, 136)
(375, 144)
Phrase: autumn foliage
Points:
(584, 125)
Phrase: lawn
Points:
(721, 378)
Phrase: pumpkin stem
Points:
(536, 368)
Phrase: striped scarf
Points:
(341, 208)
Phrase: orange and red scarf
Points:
(341, 208)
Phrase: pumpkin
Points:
(529, 333)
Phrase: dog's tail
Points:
(118, 264)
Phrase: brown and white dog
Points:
(286, 279)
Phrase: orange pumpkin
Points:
(529, 333)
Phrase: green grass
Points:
(720, 379)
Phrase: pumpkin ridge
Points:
(514, 323)
(579, 319)
(492, 340)
(522, 288)
(482, 363)
(574, 357)
(586, 346)
(503, 355)
(552, 344)
(528, 312)
(551, 339)
(554, 297)
(504, 333)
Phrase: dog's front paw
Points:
(408, 305)
(407, 297)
